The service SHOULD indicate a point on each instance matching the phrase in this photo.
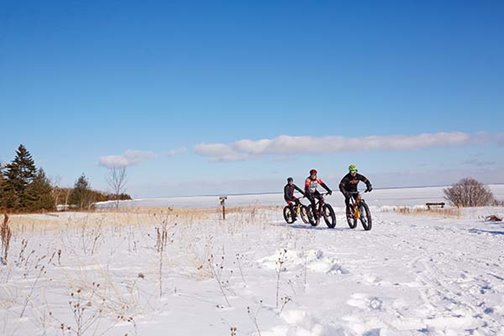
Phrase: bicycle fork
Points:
(356, 212)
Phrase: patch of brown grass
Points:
(21, 223)
(251, 209)
(442, 212)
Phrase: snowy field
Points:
(154, 271)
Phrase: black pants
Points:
(312, 197)
(347, 202)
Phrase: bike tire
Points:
(304, 214)
(352, 222)
(329, 216)
(311, 217)
(288, 215)
(365, 216)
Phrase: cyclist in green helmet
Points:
(349, 182)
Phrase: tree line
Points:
(26, 188)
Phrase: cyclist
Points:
(311, 192)
(348, 184)
(289, 197)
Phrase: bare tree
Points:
(60, 194)
(116, 179)
(56, 191)
(468, 192)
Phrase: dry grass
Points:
(191, 212)
(441, 212)
(99, 298)
(21, 223)
(251, 209)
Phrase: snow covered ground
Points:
(187, 272)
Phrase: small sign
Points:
(222, 200)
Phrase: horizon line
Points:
(279, 192)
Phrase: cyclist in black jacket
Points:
(349, 184)
(289, 197)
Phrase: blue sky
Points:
(209, 97)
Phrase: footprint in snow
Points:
(366, 302)
(375, 303)
(313, 260)
(298, 322)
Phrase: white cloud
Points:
(175, 152)
(134, 157)
(285, 145)
(129, 158)
(220, 152)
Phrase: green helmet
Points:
(352, 168)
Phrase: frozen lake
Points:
(377, 198)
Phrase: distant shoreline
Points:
(280, 192)
(413, 196)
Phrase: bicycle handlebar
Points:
(356, 192)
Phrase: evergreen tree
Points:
(18, 175)
(2, 184)
(10, 198)
(81, 195)
(2, 179)
(39, 193)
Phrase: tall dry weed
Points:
(6, 235)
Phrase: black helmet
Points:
(290, 179)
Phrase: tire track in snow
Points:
(428, 253)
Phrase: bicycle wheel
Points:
(352, 222)
(365, 216)
(329, 215)
(288, 216)
(311, 217)
(304, 214)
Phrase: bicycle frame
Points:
(355, 202)
(319, 203)
(298, 205)
(295, 209)
(360, 211)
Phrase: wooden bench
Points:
(433, 204)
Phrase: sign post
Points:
(222, 200)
